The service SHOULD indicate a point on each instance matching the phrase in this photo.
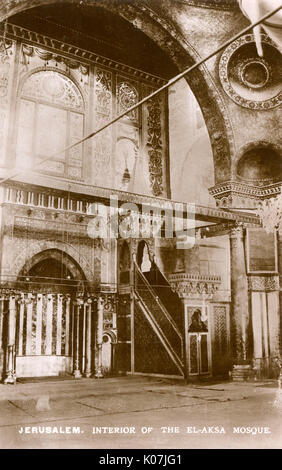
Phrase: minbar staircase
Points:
(155, 298)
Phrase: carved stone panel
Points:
(7, 52)
(103, 102)
(155, 142)
(220, 343)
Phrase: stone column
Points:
(11, 373)
(68, 319)
(39, 314)
(239, 305)
(88, 339)
(29, 306)
(59, 324)
(76, 347)
(1, 334)
(279, 235)
(49, 325)
(100, 312)
(83, 345)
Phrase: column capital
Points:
(237, 231)
(79, 300)
(31, 297)
(194, 286)
(108, 300)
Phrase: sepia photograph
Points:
(140, 227)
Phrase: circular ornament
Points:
(249, 80)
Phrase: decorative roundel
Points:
(251, 81)
(53, 85)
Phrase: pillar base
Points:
(88, 375)
(77, 374)
(10, 379)
(242, 373)
(98, 375)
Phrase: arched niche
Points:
(108, 352)
(25, 259)
(54, 269)
(143, 257)
(179, 52)
(50, 117)
(260, 164)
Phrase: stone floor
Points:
(70, 409)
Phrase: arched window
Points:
(50, 118)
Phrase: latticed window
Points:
(50, 118)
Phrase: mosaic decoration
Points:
(249, 79)
(127, 96)
(155, 145)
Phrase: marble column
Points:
(68, 320)
(239, 298)
(76, 348)
(100, 313)
(1, 334)
(88, 340)
(11, 373)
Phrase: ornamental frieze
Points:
(263, 283)
(26, 295)
(240, 194)
(194, 285)
(75, 58)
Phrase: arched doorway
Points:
(108, 352)
(199, 345)
(45, 322)
(143, 257)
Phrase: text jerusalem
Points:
(253, 430)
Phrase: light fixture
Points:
(126, 176)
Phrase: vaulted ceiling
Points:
(100, 31)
